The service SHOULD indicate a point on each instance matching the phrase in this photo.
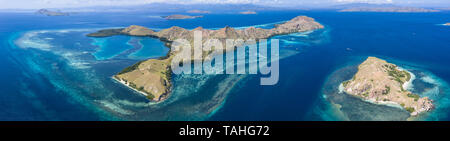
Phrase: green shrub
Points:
(409, 109)
(345, 83)
(366, 94)
(388, 90)
(415, 96)
(397, 75)
(150, 96)
(132, 85)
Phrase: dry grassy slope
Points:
(151, 77)
(382, 82)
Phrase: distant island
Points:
(248, 12)
(444, 9)
(179, 17)
(51, 13)
(370, 7)
(389, 9)
(380, 82)
(198, 12)
(152, 77)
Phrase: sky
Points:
(37, 4)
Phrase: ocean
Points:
(52, 71)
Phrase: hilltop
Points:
(381, 82)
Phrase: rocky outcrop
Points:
(152, 77)
(384, 83)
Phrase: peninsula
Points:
(180, 17)
(380, 82)
(152, 77)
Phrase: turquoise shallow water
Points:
(111, 46)
(55, 72)
(129, 47)
(150, 48)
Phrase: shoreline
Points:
(408, 84)
(164, 96)
(125, 84)
(341, 88)
(384, 103)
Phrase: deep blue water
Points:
(59, 74)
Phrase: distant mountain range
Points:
(444, 9)
(199, 9)
(179, 8)
(367, 7)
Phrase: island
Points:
(198, 12)
(389, 9)
(180, 17)
(247, 12)
(51, 13)
(380, 82)
(152, 77)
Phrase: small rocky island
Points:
(152, 77)
(380, 82)
(51, 13)
(248, 12)
(180, 17)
